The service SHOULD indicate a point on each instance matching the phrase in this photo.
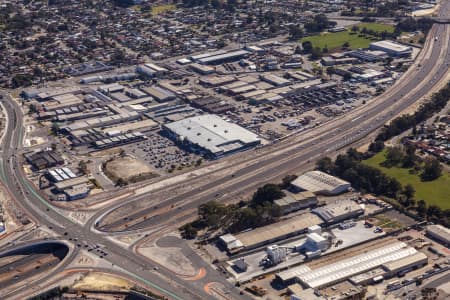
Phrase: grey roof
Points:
(212, 133)
(228, 55)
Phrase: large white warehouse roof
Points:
(213, 134)
(320, 182)
(346, 268)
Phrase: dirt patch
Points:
(128, 170)
(102, 282)
(171, 258)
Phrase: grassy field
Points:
(433, 192)
(334, 40)
(376, 27)
(158, 9)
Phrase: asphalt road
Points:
(425, 75)
(134, 265)
(342, 134)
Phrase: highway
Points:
(265, 165)
(134, 266)
(273, 163)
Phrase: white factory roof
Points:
(207, 54)
(316, 238)
(293, 272)
(351, 266)
(212, 133)
(391, 45)
(333, 211)
(317, 181)
(219, 57)
(439, 231)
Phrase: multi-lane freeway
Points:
(266, 164)
(290, 156)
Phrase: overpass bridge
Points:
(439, 20)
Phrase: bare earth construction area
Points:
(128, 170)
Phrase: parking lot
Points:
(162, 153)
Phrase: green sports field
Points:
(335, 40)
(376, 27)
(435, 192)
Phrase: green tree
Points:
(188, 231)
(286, 181)
(295, 32)
(267, 193)
(316, 53)
(211, 213)
(307, 47)
(376, 146)
(432, 169)
(409, 191)
(394, 156)
(421, 207)
(82, 166)
(325, 165)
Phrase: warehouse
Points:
(201, 69)
(117, 140)
(368, 55)
(212, 135)
(159, 94)
(212, 105)
(207, 54)
(125, 116)
(44, 159)
(61, 174)
(47, 93)
(221, 58)
(340, 210)
(214, 81)
(131, 127)
(394, 258)
(70, 183)
(293, 202)
(278, 231)
(392, 48)
(320, 183)
(275, 80)
(439, 233)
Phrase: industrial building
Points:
(212, 135)
(339, 211)
(159, 94)
(214, 81)
(368, 55)
(44, 159)
(120, 139)
(320, 183)
(393, 259)
(391, 48)
(439, 233)
(74, 188)
(212, 105)
(230, 242)
(292, 202)
(151, 70)
(201, 69)
(275, 80)
(275, 232)
(61, 174)
(221, 58)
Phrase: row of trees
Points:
(369, 179)
(256, 212)
(405, 157)
(398, 125)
